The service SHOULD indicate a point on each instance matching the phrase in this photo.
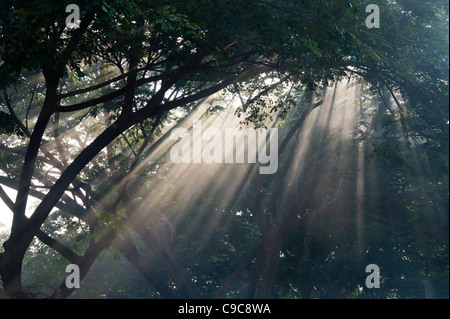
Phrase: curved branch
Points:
(46, 239)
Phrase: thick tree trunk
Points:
(11, 270)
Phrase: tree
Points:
(130, 63)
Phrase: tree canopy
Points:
(86, 119)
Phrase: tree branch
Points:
(50, 242)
